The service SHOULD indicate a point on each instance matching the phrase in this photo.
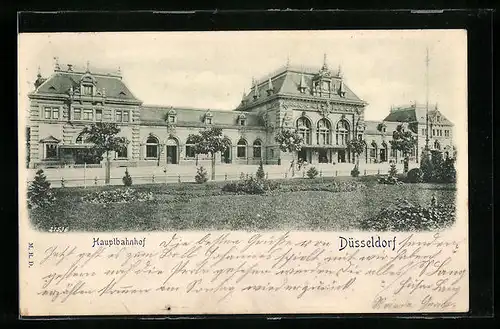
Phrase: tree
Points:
(356, 147)
(210, 141)
(39, 191)
(289, 140)
(103, 137)
(404, 141)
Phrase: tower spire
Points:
(270, 87)
(255, 89)
(88, 66)
(325, 65)
(287, 61)
(56, 63)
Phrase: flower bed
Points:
(345, 186)
(406, 216)
(117, 196)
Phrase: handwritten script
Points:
(254, 272)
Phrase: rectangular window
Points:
(433, 132)
(394, 153)
(55, 113)
(423, 132)
(87, 90)
(241, 151)
(50, 151)
(118, 116)
(242, 122)
(126, 117)
(171, 119)
(77, 114)
(88, 115)
(98, 115)
(47, 113)
(151, 151)
(271, 151)
(372, 153)
(190, 151)
(122, 153)
(208, 121)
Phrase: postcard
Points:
(243, 172)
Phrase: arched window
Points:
(257, 149)
(152, 147)
(241, 149)
(304, 129)
(190, 148)
(323, 133)
(342, 132)
(122, 153)
(437, 146)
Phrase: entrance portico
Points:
(324, 154)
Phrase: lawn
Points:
(189, 206)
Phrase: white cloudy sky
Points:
(211, 69)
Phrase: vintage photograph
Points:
(243, 172)
(314, 131)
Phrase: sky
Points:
(212, 69)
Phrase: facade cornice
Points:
(304, 98)
(104, 100)
(200, 125)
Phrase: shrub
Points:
(415, 175)
(390, 180)
(39, 192)
(437, 170)
(201, 175)
(260, 172)
(127, 180)
(312, 172)
(393, 171)
(242, 176)
(446, 172)
(427, 168)
(251, 186)
(355, 171)
(405, 216)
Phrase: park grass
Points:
(190, 206)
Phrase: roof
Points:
(194, 116)
(414, 113)
(60, 82)
(49, 139)
(286, 81)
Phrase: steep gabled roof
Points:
(417, 113)
(287, 80)
(62, 81)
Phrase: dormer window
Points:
(171, 116)
(208, 118)
(242, 120)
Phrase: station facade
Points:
(315, 101)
